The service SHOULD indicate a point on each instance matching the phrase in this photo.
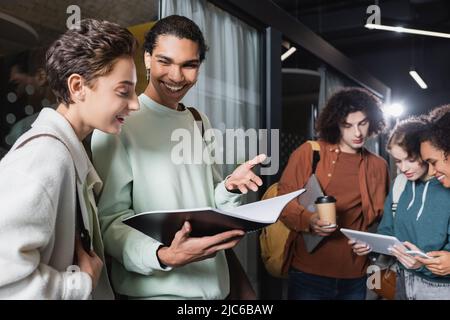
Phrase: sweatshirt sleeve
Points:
(295, 175)
(386, 225)
(225, 199)
(27, 221)
(135, 250)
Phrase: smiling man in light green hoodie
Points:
(139, 175)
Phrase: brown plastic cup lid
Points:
(325, 199)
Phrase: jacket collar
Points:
(54, 123)
(333, 147)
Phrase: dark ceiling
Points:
(386, 55)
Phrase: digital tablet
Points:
(377, 242)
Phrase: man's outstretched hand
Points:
(243, 177)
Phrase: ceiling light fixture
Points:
(407, 30)
(285, 55)
(394, 110)
(418, 79)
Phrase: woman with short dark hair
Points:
(48, 213)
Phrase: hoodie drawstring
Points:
(424, 196)
(413, 187)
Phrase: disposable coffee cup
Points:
(326, 208)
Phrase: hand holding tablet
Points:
(380, 243)
(416, 253)
(377, 242)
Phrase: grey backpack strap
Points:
(397, 190)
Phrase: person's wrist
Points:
(94, 279)
(162, 256)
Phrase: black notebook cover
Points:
(162, 225)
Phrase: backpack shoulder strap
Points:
(271, 192)
(397, 189)
(316, 154)
(198, 119)
(314, 145)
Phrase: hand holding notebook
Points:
(163, 225)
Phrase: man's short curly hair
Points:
(341, 104)
(180, 27)
(407, 134)
(438, 131)
(90, 51)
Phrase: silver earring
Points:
(148, 75)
